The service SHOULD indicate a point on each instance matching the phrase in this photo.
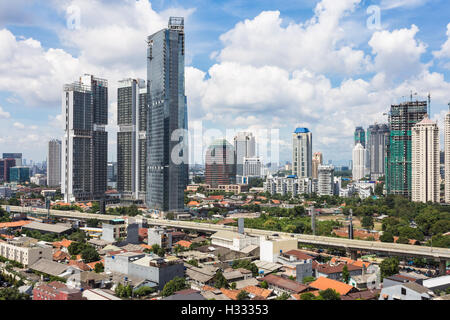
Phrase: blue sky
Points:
(251, 65)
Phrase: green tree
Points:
(264, 284)
(367, 222)
(243, 295)
(92, 223)
(307, 280)
(307, 296)
(387, 237)
(233, 286)
(99, 268)
(90, 254)
(345, 274)
(389, 267)
(283, 296)
(12, 294)
(143, 291)
(174, 285)
(220, 281)
(329, 294)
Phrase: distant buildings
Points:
(316, 162)
(85, 143)
(245, 147)
(326, 180)
(360, 136)
(132, 139)
(25, 250)
(447, 157)
(360, 160)
(302, 153)
(220, 164)
(402, 118)
(16, 156)
(19, 174)
(5, 165)
(252, 167)
(56, 291)
(54, 163)
(167, 149)
(425, 159)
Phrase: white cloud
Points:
(444, 52)
(19, 125)
(316, 44)
(393, 4)
(4, 114)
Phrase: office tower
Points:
(85, 142)
(15, 156)
(245, 147)
(360, 136)
(377, 141)
(19, 174)
(398, 159)
(54, 163)
(5, 166)
(447, 156)
(326, 180)
(112, 171)
(302, 153)
(316, 162)
(167, 149)
(425, 162)
(220, 164)
(360, 157)
(131, 139)
(252, 167)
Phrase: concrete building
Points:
(234, 241)
(245, 147)
(406, 291)
(54, 163)
(252, 167)
(160, 237)
(114, 230)
(56, 291)
(16, 156)
(270, 248)
(132, 139)
(377, 141)
(85, 142)
(155, 270)
(425, 162)
(302, 153)
(25, 250)
(220, 164)
(167, 148)
(290, 184)
(326, 180)
(39, 179)
(447, 157)
(297, 264)
(360, 161)
(316, 162)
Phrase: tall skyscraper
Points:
(316, 162)
(425, 162)
(302, 153)
(398, 163)
(245, 147)
(85, 142)
(377, 141)
(167, 149)
(220, 164)
(15, 156)
(131, 139)
(447, 156)
(360, 136)
(360, 157)
(54, 163)
(326, 180)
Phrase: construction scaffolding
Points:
(398, 159)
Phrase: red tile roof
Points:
(299, 255)
(323, 283)
(286, 284)
(14, 224)
(184, 243)
(327, 269)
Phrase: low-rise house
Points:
(297, 264)
(406, 291)
(233, 276)
(25, 250)
(60, 256)
(56, 291)
(281, 285)
(324, 283)
(188, 294)
(335, 271)
(199, 277)
(211, 293)
(362, 295)
(437, 284)
(99, 294)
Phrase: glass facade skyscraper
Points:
(167, 148)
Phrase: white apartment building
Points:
(425, 158)
(302, 153)
(25, 250)
(326, 180)
(447, 157)
(360, 160)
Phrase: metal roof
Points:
(301, 130)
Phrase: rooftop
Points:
(323, 283)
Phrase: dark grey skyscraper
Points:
(85, 142)
(377, 141)
(167, 149)
(131, 139)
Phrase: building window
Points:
(403, 291)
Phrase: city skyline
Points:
(309, 89)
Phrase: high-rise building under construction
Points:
(402, 118)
